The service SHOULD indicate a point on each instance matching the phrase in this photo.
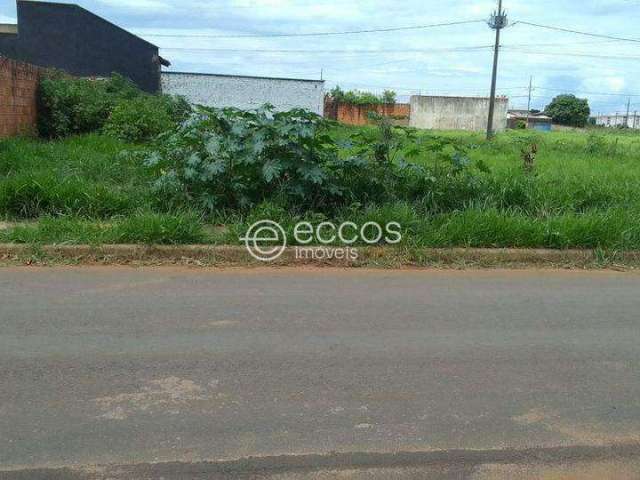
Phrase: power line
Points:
(315, 34)
(576, 54)
(359, 52)
(591, 93)
(397, 51)
(515, 45)
(578, 32)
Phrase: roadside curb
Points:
(298, 466)
(390, 257)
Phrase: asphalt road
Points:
(128, 366)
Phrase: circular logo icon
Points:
(265, 240)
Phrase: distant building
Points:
(617, 120)
(244, 92)
(457, 113)
(535, 121)
(70, 38)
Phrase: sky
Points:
(224, 36)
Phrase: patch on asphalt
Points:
(223, 323)
(167, 395)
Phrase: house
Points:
(457, 113)
(245, 92)
(535, 121)
(70, 38)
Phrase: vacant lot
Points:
(582, 191)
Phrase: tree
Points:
(389, 97)
(569, 110)
(358, 97)
(337, 94)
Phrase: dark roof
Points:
(78, 7)
(244, 76)
(523, 114)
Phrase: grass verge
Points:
(582, 195)
(368, 257)
(142, 228)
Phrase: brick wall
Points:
(359, 114)
(18, 89)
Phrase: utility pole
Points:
(498, 22)
(529, 101)
(626, 118)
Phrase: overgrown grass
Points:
(86, 175)
(147, 228)
(583, 193)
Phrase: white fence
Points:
(457, 113)
(245, 93)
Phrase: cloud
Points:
(397, 65)
(612, 84)
(7, 19)
(146, 6)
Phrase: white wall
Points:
(633, 121)
(457, 113)
(245, 93)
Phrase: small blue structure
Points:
(535, 121)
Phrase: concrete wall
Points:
(245, 93)
(18, 94)
(457, 113)
(359, 114)
(619, 120)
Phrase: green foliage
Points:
(358, 97)
(229, 159)
(569, 110)
(389, 97)
(445, 188)
(31, 195)
(82, 175)
(149, 228)
(391, 171)
(598, 144)
(235, 159)
(68, 105)
(145, 117)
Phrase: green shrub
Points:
(231, 159)
(141, 119)
(235, 159)
(68, 105)
(358, 97)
